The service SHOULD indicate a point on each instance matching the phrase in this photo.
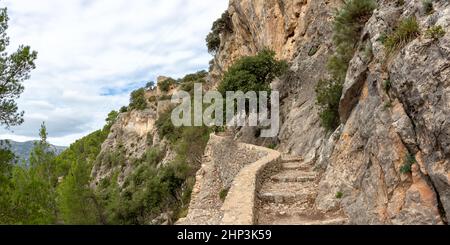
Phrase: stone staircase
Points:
(287, 197)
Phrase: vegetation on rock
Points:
(406, 31)
(137, 100)
(347, 26)
(221, 25)
(435, 32)
(253, 73)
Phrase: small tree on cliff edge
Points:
(14, 69)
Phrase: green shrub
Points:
(123, 109)
(427, 6)
(221, 25)
(435, 32)
(187, 82)
(347, 26)
(166, 128)
(406, 31)
(313, 50)
(407, 166)
(165, 85)
(223, 194)
(137, 100)
(253, 73)
(339, 195)
(272, 146)
(387, 85)
(153, 156)
(328, 96)
(387, 105)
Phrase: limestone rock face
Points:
(130, 136)
(277, 24)
(381, 128)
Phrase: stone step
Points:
(294, 176)
(287, 192)
(296, 166)
(285, 159)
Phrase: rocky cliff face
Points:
(381, 129)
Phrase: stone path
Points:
(287, 198)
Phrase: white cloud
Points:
(87, 47)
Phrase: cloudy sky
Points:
(92, 53)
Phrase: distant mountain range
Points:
(23, 149)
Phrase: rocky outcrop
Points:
(130, 136)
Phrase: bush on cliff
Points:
(137, 100)
(406, 30)
(348, 23)
(223, 24)
(253, 73)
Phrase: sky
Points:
(93, 53)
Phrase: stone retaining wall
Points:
(228, 164)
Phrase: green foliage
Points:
(166, 84)
(313, 50)
(221, 25)
(223, 194)
(427, 6)
(15, 68)
(387, 105)
(187, 82)
(137, 100)
(387, 84)
(435, 32)
(150, 85)
(339, 195)
(85, 149)
(406, 31)
(76, 201)
(123, 109)
(153, 156)
(32, 198)
(253, 73)
(166, 128)
(347, 25)
(111, 119)
(328, 96)
(30, 191)
(407, 166)
(272, 146)
(42, 158)
(7, 161)
(148, 192)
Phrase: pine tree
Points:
(14, 69)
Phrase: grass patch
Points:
(406, 31)
(339, 195)
(435, 32)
